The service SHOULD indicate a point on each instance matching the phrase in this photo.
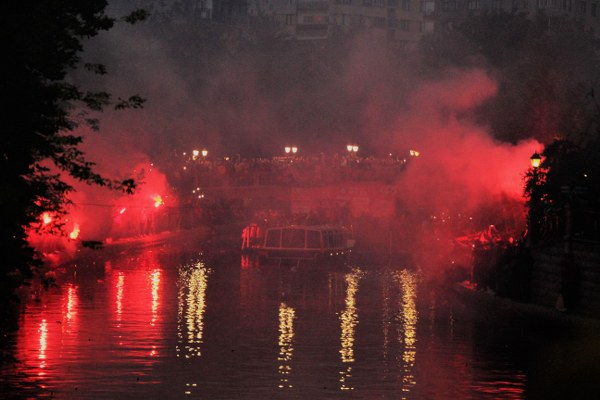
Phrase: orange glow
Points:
(75, 232)
(158, 201)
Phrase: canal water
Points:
(161, 322)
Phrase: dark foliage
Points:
(42, 42)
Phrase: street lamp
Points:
(352, 149)
(204, 153)
(291, 149)
(535, 160)
(195, 154)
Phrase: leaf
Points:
(134, 101)
(136, 16)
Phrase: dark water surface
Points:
(164, 323)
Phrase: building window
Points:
(404, 25)
(473, 5)
(427, 26)
(519, 5)
(582, 7)
(391, 34)
(379, 22)
(449, 5)
(406, 5)
(593, 9)
(496, 4)
(428, 7)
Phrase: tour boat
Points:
(298, 241)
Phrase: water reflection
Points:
(407, 335)
(193, 282)
(43, 345)
(144, 327)
(348, 321)
(119, 285)
(286, 342)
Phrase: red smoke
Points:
(461, 169)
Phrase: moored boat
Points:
(298, 241)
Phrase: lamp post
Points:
(535, 161)
(352, 150)
(290, 150)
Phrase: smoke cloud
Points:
(238, 97)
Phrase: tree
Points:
(567, 181)
(42, 42)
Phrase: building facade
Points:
(392, 20)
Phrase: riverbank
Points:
(532, 313)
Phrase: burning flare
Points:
(75, 232)
(158, 201)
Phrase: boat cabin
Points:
(298, 241)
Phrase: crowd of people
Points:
(290, 170)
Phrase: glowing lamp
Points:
(287, 149)
(204, 153)
(355, 148)
(536, 160)
(349, 147)
(195, 154)
(294, 149)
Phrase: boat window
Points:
(337, 239)
(313, 239)
(273, 238)
(293, 238)
(327, 239)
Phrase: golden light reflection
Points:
(348, 322)
(286, 339)
(119, 299)
(155, 280)
(191, 309)
(387, 318)
(70, 306)
(43, 331)
(72, 302)
(408, 318)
